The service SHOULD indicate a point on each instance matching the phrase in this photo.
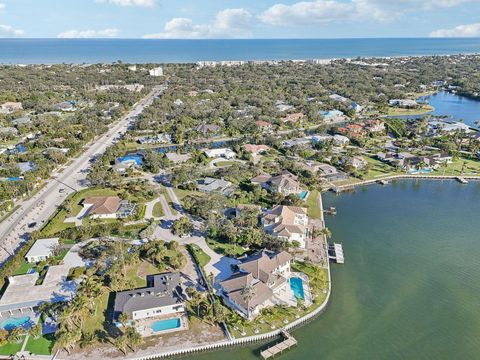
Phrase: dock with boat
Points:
(335, 253)
(288, 342)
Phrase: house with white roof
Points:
(41, 250)
(223, 152)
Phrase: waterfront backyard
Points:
(411, 263)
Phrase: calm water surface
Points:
(410, 286)
(54, 51)
(455, 107)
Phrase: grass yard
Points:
(225, 163)
(23, 268)
(181, 194)
(199, 255)
(225, 249)
(396, 111)
(313, 205)
(96, 321)
(378, 169)
(158, 210)
(472, 167)
(11, 349)
(41, 346)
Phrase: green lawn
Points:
(199, 255)
(472, 167)
(378, 169)
(11, 349)
(96, 321)
(397, 111)
(181, 194)
(158, 210)
(313, 205)
(225, 163)
(23, 268)
(41, 346)
(169, 201)
(225, 249)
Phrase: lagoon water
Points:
(455, 107)
(409, 288)
(51, 51)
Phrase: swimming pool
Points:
(296, 284)
(137, 159)
(303, 195)
(168, 324)
(12, 323)
(421, 171)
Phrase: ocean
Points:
(78, 51)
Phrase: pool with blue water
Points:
(296, 284)
(168, 324)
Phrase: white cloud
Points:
(313, 12)
(144, 3)
(468, 30)
(9, 31)
(84, 34)
(2, 6)
(323, 11)
(228, 23)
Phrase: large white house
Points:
(267, 274)
(289, 223)
(223, 152)
(41, 250)
(161, 298)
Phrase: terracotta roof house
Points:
(264, 125)
(102, 207)
(267, 273)
(255, 149)
(287, 222)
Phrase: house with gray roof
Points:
(209, 184)
(162, 297)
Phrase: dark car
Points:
(31, 225)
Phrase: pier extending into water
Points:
(337, 253)
(279, 348)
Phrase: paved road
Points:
(39, 208)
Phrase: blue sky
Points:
(239, 19)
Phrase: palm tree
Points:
(123, 319)
(87, 339)
(36, 330)
(134, 338)
(121, 342)
(248, 293)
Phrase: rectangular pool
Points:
(303, 195)
(296, 284)
(168, 324)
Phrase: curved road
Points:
(14, 230)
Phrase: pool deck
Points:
(144, 326)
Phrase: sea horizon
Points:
(132, 50)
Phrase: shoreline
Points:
(346, 187)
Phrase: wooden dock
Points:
(462, 180)
(336, 251)
(279, 348)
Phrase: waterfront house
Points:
(288, 223)
(437, 127)
(207, 129)
(404, 103)
(162, 297)
(41, 250)
(285, 183)
(224, 152)
(267, 273)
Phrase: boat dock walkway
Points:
(462, 180)
(279, 348)
(336, 251)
